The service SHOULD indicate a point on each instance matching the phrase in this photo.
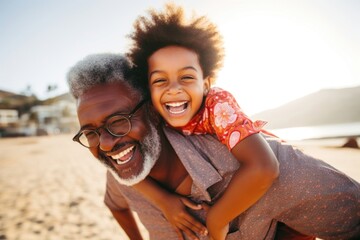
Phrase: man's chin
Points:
(149, 151)
(127, 181)
(126, 177)
(137, 177)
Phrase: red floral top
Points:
(222, 116)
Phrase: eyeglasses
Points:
(117, 125)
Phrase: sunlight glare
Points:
(272, 58)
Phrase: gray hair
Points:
(98, 69)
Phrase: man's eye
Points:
(119, 125)
(118, 122)
(90, 135)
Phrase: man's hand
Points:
(174, 210)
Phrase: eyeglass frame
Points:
(128, 117)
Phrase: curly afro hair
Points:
(169, 27)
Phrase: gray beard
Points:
(150, 148)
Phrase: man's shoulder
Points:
(197, 147)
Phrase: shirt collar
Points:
(201, 171)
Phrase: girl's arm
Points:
(173, 207)
(259, 168)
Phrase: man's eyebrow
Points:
(87, 126)
(122, 112)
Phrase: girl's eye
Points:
(158, 81)
(187, 77)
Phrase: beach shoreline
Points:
(51, 188)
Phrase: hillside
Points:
(328, 106)
(22, 103)
(63, 97)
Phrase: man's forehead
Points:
(111, 91)
(103, 100)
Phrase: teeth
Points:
(175, 104)
(176, 107)
(122, 154)
(122, 162)
(177, 112)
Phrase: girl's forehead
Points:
(173, 56)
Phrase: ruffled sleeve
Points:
(223, 117)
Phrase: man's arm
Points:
(120, 209)
(126, 220)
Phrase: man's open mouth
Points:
(177, 107)
(124, 156)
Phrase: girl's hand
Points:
(174, 210)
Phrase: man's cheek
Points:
(139, 132)
(95, 153)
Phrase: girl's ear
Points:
(207, 84)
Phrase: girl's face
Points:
(176, 83)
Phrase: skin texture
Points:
(175, 76)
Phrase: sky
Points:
(276, 50)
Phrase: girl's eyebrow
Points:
(188, 67)
(153, 72)
(182, 69)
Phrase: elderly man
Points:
(119, 128)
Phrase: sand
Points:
(51, 188)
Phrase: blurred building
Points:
(32, 117)
(8, 117)
(58, 117)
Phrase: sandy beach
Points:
(51, 188)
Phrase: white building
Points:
(8, 117)
(53, 119)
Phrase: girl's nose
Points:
(174, 88)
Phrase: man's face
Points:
(131, 157)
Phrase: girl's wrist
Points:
(213, 220)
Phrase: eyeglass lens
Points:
(117, 126)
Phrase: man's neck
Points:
(168, 170)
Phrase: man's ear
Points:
(207, 83)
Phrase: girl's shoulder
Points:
(217, 94)
(216, 90)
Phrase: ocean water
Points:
(318, 132)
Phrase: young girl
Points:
(178, 61)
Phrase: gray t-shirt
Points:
(309, 196)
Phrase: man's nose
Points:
(106, 141)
